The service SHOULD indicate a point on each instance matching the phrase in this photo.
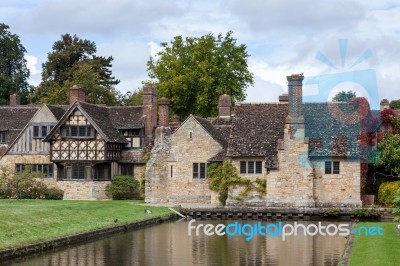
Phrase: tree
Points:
(390, 153)
(344, 96)
(73, 61)
(194, 71)
(133, 98)
(14, 73)
(395, 104)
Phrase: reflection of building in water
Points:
(304, 250)
(170, 244)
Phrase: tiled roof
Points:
(256, 129)
(126, 116)
(58, 110)
(100, 115)
(13, 120)
(207, 125)
(332, 129)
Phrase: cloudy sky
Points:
(344, 44)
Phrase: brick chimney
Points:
(150, 109)
(295, 97)
(15, 100)
(283, 98)
(224, 105)
(76, 94)
(163, 112)
(384, 104)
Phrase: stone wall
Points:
(83, 189)
(291, 185)
(191, 143)
(341, 189)
(253, 197)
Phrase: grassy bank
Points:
(376, 250)
(30, 221)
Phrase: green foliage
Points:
(142, 184)
(396, 202)
(14, 73)
(387, 192)
(331, 212)
(395, 104)
(194, 71)
(133, 98)
(26, 185)
(390, 153)
(122, 187)
(344, 96)
(73, 62)
(366, 213)
(222, 176)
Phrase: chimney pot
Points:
(224, 105)
(76, 93)
(295, 89)
(163, 111)
(15, 100)
(384, 104)
(283, 98)
(150, 109)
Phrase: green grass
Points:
(32, 221)
(376, 250)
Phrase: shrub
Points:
(142, 185)
(397, 205)
(366, 213)
(387, 192)
(122, 187)
(26, 185)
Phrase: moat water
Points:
(170, 244)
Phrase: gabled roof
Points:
(57, 110)
(13, 120)
(256, 129)
(215, 134)
(105, 119)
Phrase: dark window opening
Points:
(46, 169)
(328, 167)
(251, 167)
(199, 170)
(77, 131)
(127, 169)
(336, 167)
(3, 136)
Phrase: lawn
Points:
(31, 221)
(376, 250)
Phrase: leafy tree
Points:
(390, 153)
(14, 73)
(73, 61)
(344, 96)
(133, 98)
(395, 104)
(194, 71)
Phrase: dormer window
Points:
(77, 132)
(3, 137)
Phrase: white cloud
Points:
(31, 63)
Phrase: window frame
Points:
(76, 131)
(40, 131)
(199, 171)
(3, 137)
(250, 167)
(46, 168)
(332, 167)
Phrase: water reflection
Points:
(170, 244)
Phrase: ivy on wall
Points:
(222, 176)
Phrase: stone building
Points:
(79, 147)
(307, 153)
